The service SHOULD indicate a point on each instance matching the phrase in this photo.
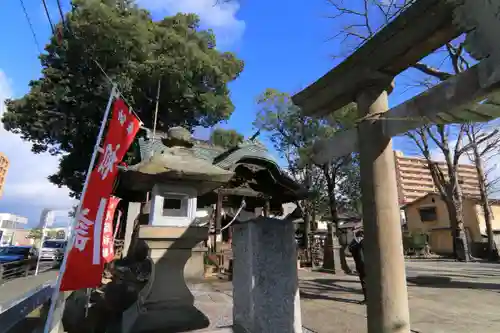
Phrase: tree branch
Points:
(426, 69)
(436, 172)
(474, 141)
(457, 153)
(345, 10)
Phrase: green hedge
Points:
(415, 241)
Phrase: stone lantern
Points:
(175, 178)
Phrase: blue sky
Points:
(284, 45)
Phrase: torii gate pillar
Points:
(386, 278)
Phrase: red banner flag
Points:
(85, 262)
(108, 248)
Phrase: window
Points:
(8, 224)
(175, 205)
(54, 245)
(170, 203)
(428, 214)
(14, 250)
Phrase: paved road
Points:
(444, 297)
(415, 267)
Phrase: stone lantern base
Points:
(166, 303)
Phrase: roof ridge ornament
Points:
(178, 136)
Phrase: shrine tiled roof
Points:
(176, 156)
(207, 151)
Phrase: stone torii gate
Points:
(366, 78)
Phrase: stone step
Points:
(217, 330)
(230, 330)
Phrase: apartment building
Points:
(414, 178)
(11, 224)
(4, 167)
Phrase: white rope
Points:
(238, 212)
(243, 204)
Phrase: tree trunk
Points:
(454, 204)
(460, 243)
(307, 216)
(492, 253)
(305, 236)
(461, 239)
(332, 241)
(313, 218)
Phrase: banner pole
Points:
(42, 240)
(118, 218)
(69, 246)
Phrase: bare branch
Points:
(454, 55)
(367, 19)
(345, 10)
(419, 137)
(426, 69)
(458, 151)
(438, 141)
(478, 140)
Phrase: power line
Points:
(31, 26)
(111, 81)
(48, 16)
(60, 11)
(71, 32)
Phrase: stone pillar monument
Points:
(265, 281)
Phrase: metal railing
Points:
(15, 311)
(14, 269)
(11, 314)
(21, 268)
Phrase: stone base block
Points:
(165, 318)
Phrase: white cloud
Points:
(27, 187)
(221, 17)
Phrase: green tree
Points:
(292, 135)
(60, 234)
(62, 111)
(35, 233)
(225, 138)
(51, 234)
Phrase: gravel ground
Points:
(217, 304)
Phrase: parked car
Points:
(17, 259)
(53, 250)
